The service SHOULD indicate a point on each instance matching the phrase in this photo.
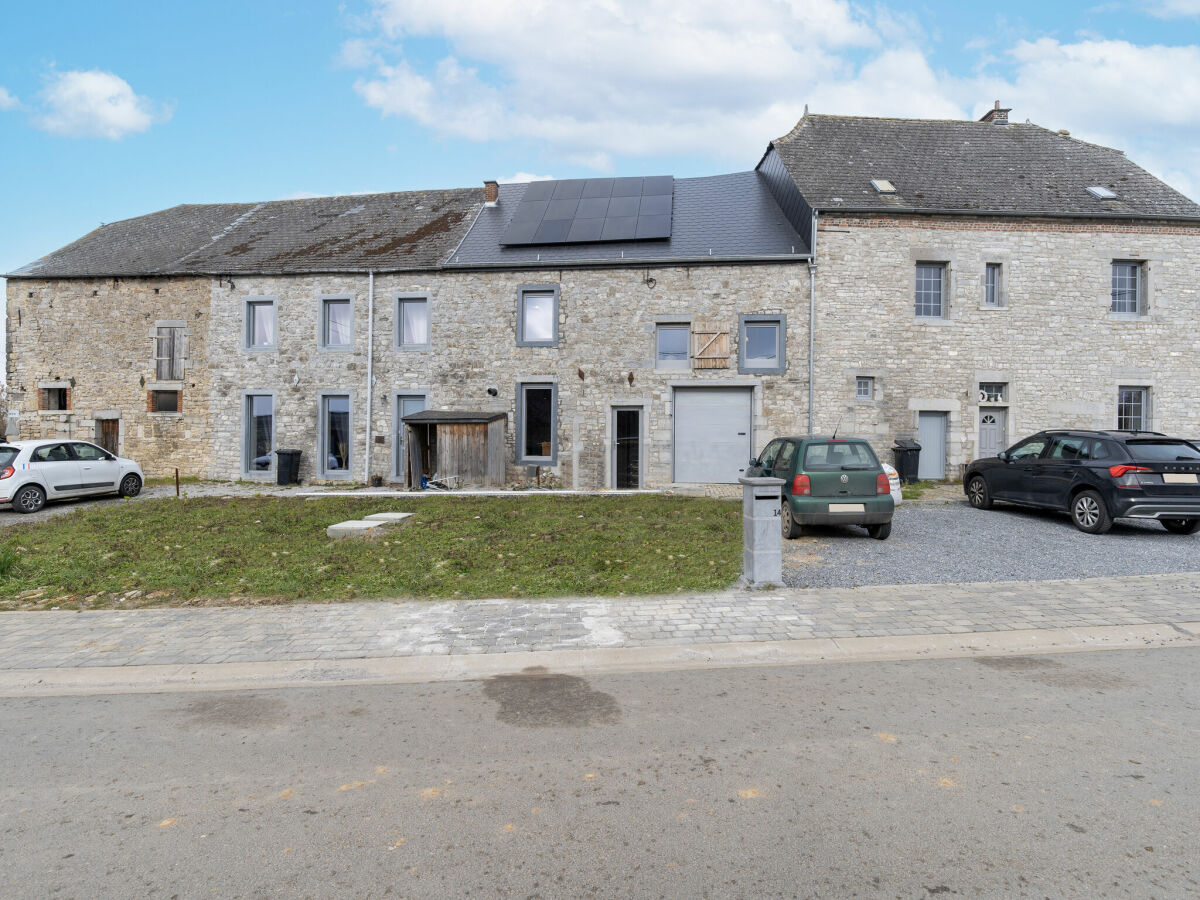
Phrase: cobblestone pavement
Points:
(382, 629)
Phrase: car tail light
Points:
(1127, 476)
(882, 484)
(7, 472)
(801, 486)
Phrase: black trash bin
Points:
(908, 458)
(287, 469)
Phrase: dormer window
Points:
(883, 186)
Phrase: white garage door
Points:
(712, 434)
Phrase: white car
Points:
(894, 482)
(32, 472)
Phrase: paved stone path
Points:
(361, 630)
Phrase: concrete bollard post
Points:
(762, 537)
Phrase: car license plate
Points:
(1170, 478)
(847, 507)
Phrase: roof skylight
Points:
(883, 186)
(1101, 193)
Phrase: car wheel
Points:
(880, 532)
(131, 486)
(29, 499)
(787, 522)
(1089, 513)
(1181, 526)
(978, 494)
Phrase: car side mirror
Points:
(1002, 455)
(753, 462)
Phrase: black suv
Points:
(1096, 476)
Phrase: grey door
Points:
(406, 405)
(712, 434)
(627, 445)
(931, 435)
(993, 426)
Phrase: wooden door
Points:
(108, 434)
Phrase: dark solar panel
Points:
(585, 210)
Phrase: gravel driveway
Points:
(949, 542)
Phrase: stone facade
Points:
(1053, 342)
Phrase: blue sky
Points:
(111, 110)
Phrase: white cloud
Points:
(95, 104)
(1174, 9)
(522, 177)
(7, 100)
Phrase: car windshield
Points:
(1164, 450)
(7, 455)
(834, 455)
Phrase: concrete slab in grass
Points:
(392, 518)
(353, 528)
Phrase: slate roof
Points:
(960, 166)
(412, 230)
(720, 217)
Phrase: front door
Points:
(993, 421)
(931, 435)
(108, 434)
(406, 405)
(627, 448)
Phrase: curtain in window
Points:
(337, 323)
(337, 434)
(262, 324)
(415, 324)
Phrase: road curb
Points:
(151, 679)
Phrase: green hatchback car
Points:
(828, 481)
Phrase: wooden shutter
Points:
(710, 345)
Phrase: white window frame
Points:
(943, 268)
(1145, 400)
(1139, 290)
(401, 300)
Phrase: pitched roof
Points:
(386, 232)
(721, 217)
(960, 166)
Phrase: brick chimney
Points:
(996, 115)
(491, 192)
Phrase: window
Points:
(260, 324)
(1133, 407)
(1164, 450)
(259, 434)
(163, 401)
(993, 392)
(51, 453)
(1028, 449)
(168, 353)
(537, 317)
(412, 323)
(864, 387)
(537, 420)
(671, 346)
(55, 399)
(836, 455)
(335, 323)
(88, 452)
(783, 463)
(761, 347)
(334, 449)
(1127, 293)
(931, 289)
(991, 285)
(767, 459)
(1071, 448)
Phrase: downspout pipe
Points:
(812, 320)
(370, 374)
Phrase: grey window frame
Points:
(397, 397)
(673, 364)
(780, 320)
(1139, 296)
(522, 292)
(1145, 401)
(248, 324)
(943, 289)
(859, 381)
(322, 453)
(247, 471)
(521, 458)
(322, 330)
(985, 396)
(996, 289)
(401, 299)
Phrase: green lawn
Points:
(274, 550)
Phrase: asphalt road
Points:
(943, 543)
(1068, 776)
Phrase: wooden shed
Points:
(465, 449)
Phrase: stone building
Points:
(960, 282)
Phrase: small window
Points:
(260, 324)
(537, 317)
(761, 347)
(259, 436)
(163, 402)
(864, 387)
(1133, 407)
(671, 346)
(993, 392)
(168, 353)
(1127, 289)
(783, 463)
(52, 453)
(1028, 449)
(335, 323)
(537, 424)
(931, 290)
(839, 454)
(412, 323)
(1071, 448)
(88, 452)
(335, 434)
(991, 285)
(55, 399)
